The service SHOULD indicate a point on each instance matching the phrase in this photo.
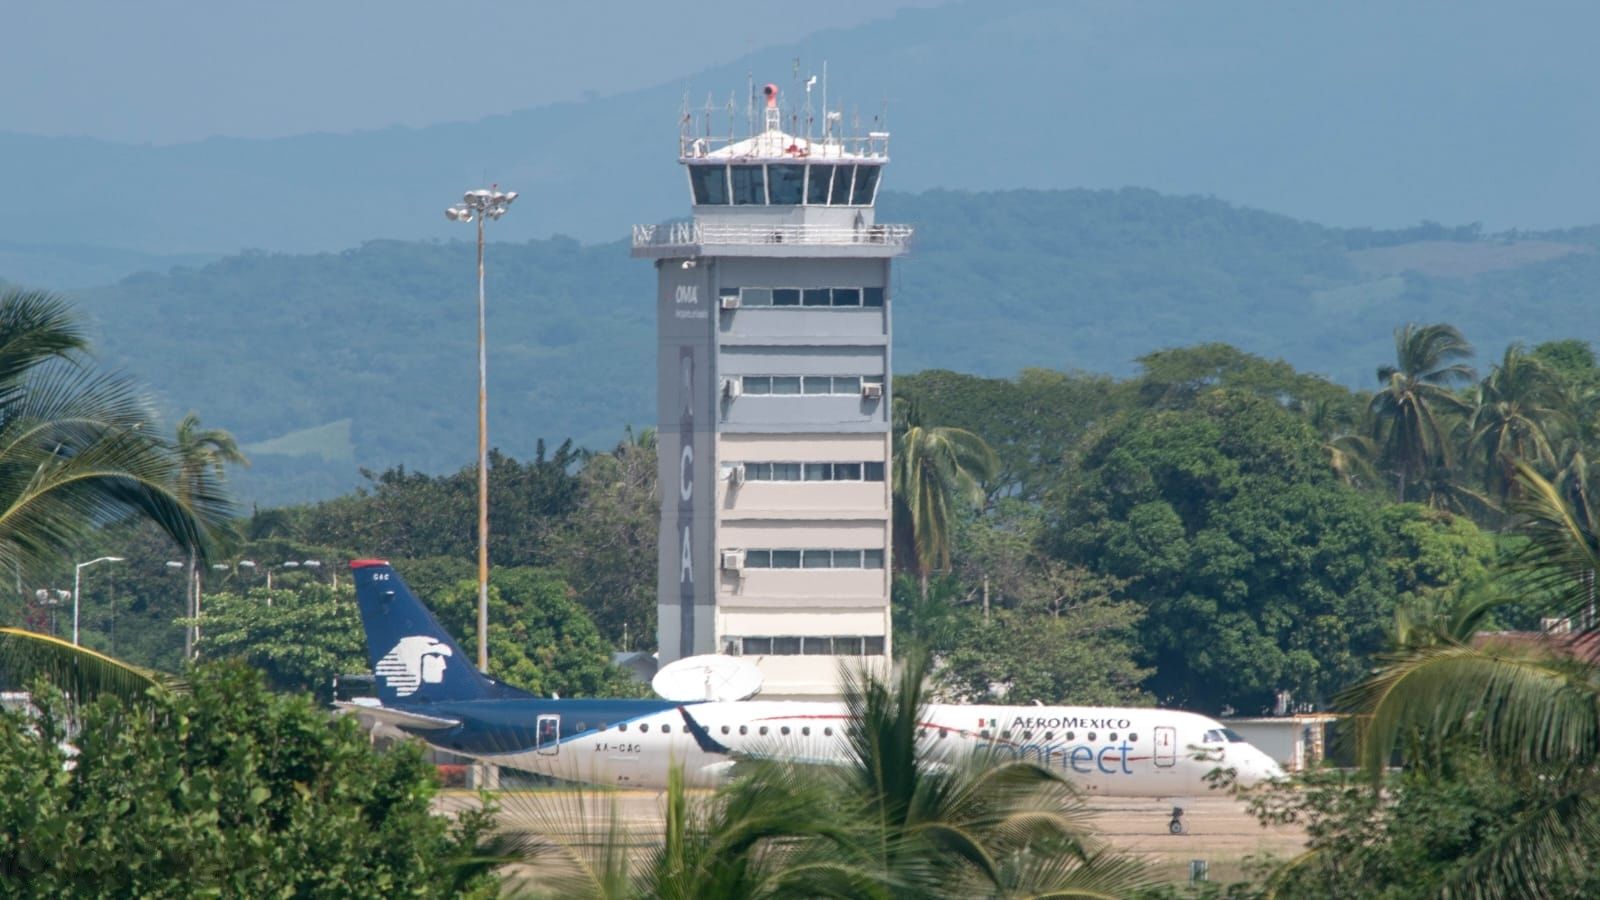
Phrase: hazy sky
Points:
(163, 71)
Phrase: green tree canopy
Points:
(228, 791)
(1257, 569)
(540, 639)
(301, 639)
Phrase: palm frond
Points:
(1529, 704)
(80, 673)
(1562, 555)
(35, 326)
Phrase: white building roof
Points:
(779, 145)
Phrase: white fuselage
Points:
(1119, 752)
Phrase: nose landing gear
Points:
(1176, 825)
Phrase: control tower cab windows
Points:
(784, 184)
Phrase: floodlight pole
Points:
(77, 583)
(481, 205)
(483, 470)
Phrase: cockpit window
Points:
(1233, 737)
(1213, 736)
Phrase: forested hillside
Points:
(373, 348)
(1268, 104)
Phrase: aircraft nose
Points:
(1257, 768)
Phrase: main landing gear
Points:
(1176, 825)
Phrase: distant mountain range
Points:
(1361, 112)
(329, 361)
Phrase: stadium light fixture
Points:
(478, 206)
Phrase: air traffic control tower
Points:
(773, 329)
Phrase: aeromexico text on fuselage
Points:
(428, 687)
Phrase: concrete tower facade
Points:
(773, 309)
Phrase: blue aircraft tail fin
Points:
(413, 659)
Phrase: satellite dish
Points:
(711, 676)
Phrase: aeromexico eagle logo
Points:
(415, 661)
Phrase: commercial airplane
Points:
(428, 688)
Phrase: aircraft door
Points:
(1166, 755)
(547, 735)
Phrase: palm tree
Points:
(937, 470)
(203, 455)
(76, 447)
(947, 826)
(758, 837)
(1517, 408)
(1580, 414)
(1533, 707)
(1414, 395)
(1345, 437)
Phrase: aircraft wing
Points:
(400, 718)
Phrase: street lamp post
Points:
(77, 583)
(479, 206)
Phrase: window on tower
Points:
(817, 186)
(814, 645)
(749, 185)
(816, 385)
(816, 297)
(813, 558)
(710, 184)
(812, 471)
(785, 184)
(841, 186)
(866, 184)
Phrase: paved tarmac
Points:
(1219, 828)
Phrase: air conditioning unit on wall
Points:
(736, 473)
(872, 391)
(732, 387)
(730, 301)
(733, 560)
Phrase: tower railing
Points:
(672, 234)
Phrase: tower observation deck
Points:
(773, 325)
